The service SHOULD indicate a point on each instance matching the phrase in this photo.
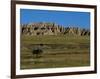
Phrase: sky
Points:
(63, 18)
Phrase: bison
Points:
(37, 52)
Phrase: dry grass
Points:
(58, 51)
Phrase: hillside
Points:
(51, 29)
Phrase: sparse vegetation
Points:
(58, 51)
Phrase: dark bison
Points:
(37, 52)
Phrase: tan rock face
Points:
(51, 29)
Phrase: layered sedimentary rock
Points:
(51, 29)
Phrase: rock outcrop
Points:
(51, 29)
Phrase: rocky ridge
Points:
(51, 29)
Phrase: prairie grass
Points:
(58, 51)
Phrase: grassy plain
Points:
(58, 51)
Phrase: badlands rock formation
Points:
(51, 29)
